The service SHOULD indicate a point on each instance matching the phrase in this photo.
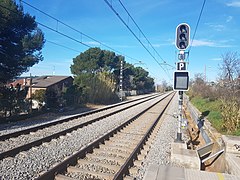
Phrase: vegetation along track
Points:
(13, 143)
(111, 156)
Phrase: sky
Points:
(217, 33)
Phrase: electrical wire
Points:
(65, 35)
(60, 45)
(117, 14)
(195, 31)
(141, 31)
(81, 33)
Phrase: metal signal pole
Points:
(121, 81)
(181, 77)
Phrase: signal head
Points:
(182, 36)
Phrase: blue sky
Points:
(217, 33)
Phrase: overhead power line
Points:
(141, 31)
(81, 33)
(60, 45)
(121, 19)
(195, 31)
(65, 35)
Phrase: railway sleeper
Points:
(117, 148)
(111, 153)
(117, 160)
(86, 162)
(107, 176)
(122, 141)
(63, 177)
(128, 178)
(125, 142)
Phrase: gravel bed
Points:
(161, 149)
(28, 164)
(45, 118)
(27, 138)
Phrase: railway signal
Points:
(182, 36)
(181, 80)
(181, 76)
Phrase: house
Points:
(54, 83)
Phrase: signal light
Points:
(180, 80)
(182, 36)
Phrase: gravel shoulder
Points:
(161, 149)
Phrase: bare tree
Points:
(229, 90)
(230, 67)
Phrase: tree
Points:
(142, 81)
(229, 91)
(39, 95)
(21, 41)
(97, 73)
(73, 95)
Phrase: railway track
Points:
(112, 155)
(13, 143)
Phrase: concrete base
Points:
(161, 172)
(230, 144)
(184, 157)
(232, 154)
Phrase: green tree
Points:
(21, 41)
(93, 74)
(39, 95)
(51, 99)
(143, 82)
(73, 95)
(97, 73)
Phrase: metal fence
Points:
(198, 118)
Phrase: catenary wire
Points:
(142, 33)
(117, 14)
(56, 31)
(195, 31)
(82, 34)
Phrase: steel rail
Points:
(33, 129)
(129, 162)
(14, 151)
(72, 160)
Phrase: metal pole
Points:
(121, 81)
(30, 110)
(180, 103)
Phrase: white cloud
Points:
(208, 43)
(234, 4)
(92, 43)
(216, 59)
(229, 18)
(216, 27)
(203, 43)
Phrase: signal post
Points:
(181, 75)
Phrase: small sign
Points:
(181, 66)
(181, 80)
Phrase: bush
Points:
(231, 115)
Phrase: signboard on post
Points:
(181, 66)
(181, 80)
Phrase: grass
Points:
(214, 113)
(213, 107)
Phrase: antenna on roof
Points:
(53, 71)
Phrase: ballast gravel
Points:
(160, 150)
(27, 138)
(29, 164)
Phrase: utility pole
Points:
(30, 85)
(121, 81)
(181, 76)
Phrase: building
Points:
(52, 83)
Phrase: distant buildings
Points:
(53, 83)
